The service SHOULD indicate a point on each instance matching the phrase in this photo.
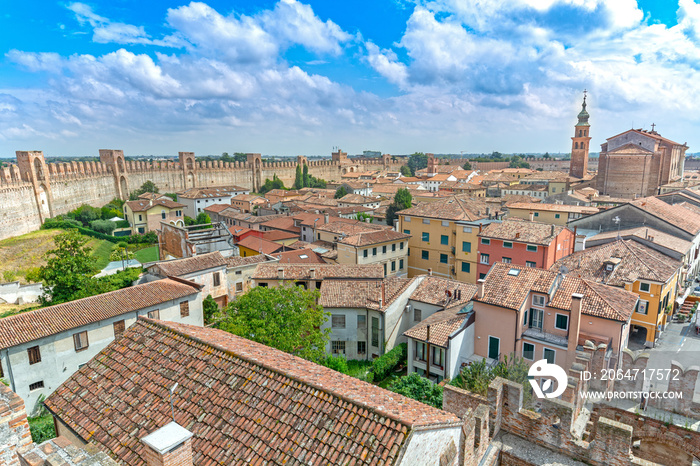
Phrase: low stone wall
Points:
(14, 427)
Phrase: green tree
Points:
(305, 176)
(518, 162)
(68, 268)
(417, 161)
(546, 155)
(240, 157)
(419, 388)
(317, 182)
(226, 158)
(103, 226)
(467, 166)
(298, 180)
(209, 308)
(340, 192)
(402, 200)
(269, 185)
(148, 187)
(87, 214)
(286, 317)
(477, 376)
(363, 216)
(405, 171)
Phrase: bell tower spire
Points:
(580, 143)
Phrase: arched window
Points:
(583, 145)
(576, 145)
(580, 132)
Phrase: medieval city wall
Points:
(34, 190)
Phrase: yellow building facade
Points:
(654, 300)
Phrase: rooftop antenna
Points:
(172, 409)
(617, 220)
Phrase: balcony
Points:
(537, 334)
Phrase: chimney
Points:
(312, 273)
(532, 216)
(280, 273)
(430, 272)
(480, 288)
(326, 217)
(171, 445)
(574, 325)
(552, 230)
(517, 234)
(427, 333)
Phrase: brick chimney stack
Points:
(574, 326)
(171, 445)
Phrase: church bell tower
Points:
(580, 143)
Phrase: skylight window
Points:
(514, 272)
(303, 256)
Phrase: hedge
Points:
(53, 223)
(383, 365)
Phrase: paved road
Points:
(677, 343)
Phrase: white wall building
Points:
(197, 199)
(41, 349)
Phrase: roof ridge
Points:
(272, 368)
(588, 284)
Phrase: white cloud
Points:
(105, 31)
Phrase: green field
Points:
(101, 250)
(149, 254)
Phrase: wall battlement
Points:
(33, 190)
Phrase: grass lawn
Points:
(149, 254)
(390, 379)
(359, 368)
(101, 250)
(20, 254)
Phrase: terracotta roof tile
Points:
(373, 237)
(217, 208)
(522, 231)
(636, 262)
(244, 402)
(277, 235)
(145, 204)
(364, 294)
(260, 245)
(451, 208)
(431, 290)
(675, 214)
(300, 256)
(237, 261)
(647, 234)
(442, 324)
(206, 193)
(504, 289)
(322, 272)
(32, 325)
(180, 267)
(554, 207)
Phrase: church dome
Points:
(583, 115)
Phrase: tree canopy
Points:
(340, 192)
(402, 200)
(269, 185)
(405, 171)
(286, 317)
(298, 178)
(148, 187)
(68, 268)
(419, 388)
(417, 161)
(467, 166)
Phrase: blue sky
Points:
(288, 77)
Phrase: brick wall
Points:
(180, 456)
(14, 428)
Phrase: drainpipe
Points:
(9, 370)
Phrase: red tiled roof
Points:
(458, 207)
(180, 267)
(260, 245)
(677, 215)
(431, 290)
(442, 324)
(322, 272)
(635, 262)
(554, 207)
(510, 291)
(282, 223)
(300, 256)
(33, 325)
(367, 294)
(522, 231)
(145, 204)
(277, 235)
(366, 238)
(217, 207)
(245, 403)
